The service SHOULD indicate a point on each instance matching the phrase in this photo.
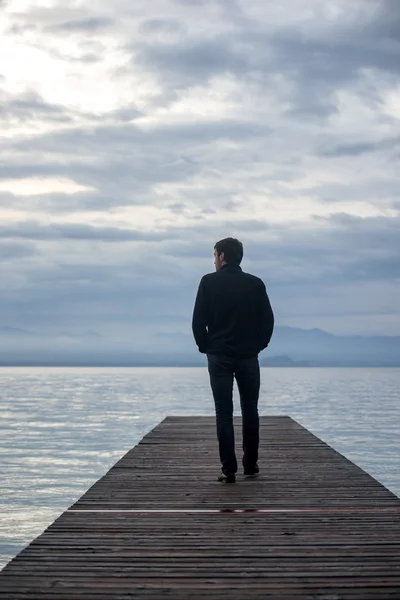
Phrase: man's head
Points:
(229, 250)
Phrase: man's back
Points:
(232, 322)
(235, 309)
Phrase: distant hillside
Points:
(283, 361)
(321, 348)
(289, 347)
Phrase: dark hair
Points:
(232, 249)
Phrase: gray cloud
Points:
(315, 61)
(161, 25)
(360, 147)
(279, 122)
(191, 61)
(83, 57)
(59, 18)
(30, 105)
(385, 21)
(37, 231)
(10, 251)
(90, 24)
(380, 191)
(135, 160)
(286, 255)
(157, 285)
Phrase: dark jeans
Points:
(246, 371)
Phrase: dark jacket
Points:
(232, 314)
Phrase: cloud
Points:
(34, 186)
(277, 124)
(313, 61)
(191, 63)
(136, 285)
(90, 24)
(29, 105)
(13, 251)
(161, 25)
(361, 147)
(384, 24)
(74, 231)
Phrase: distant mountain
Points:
(321, 348)
(289, 346)
(283, 361)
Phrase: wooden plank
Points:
(313, 525)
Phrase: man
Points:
(232, 322)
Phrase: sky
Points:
(135, 135)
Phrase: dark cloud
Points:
(90, 24)
(367, 190)
(350, 249)
(83, 57)
(126, 114)
(314, 61)
(161, 25)
(286, 255)
(358, 148)
(36, 231)
(10, 251)
(146, 285)
(131, 141)
(266, 102)
(152, 287)
(331, 60)
(177, 208)
(30, 106)
(135, 160)
(191, 62)
(385, 21)
(21, 28)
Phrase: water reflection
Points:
(62, 429)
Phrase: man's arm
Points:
(199, 321)
(266, 319)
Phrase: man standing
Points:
(232, 322)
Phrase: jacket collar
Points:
(231, 267)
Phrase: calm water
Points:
(61, 429)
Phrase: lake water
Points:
(61, 429)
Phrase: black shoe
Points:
(253, 472)
(227, 477)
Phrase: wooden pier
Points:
(158, 525)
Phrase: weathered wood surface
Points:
(158, 525)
